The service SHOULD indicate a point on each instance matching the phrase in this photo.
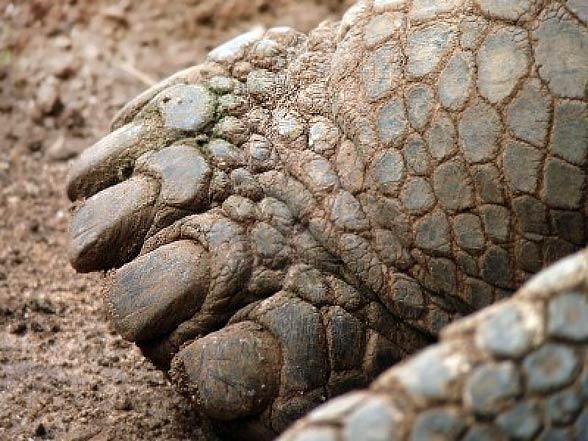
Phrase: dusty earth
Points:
(65, 68)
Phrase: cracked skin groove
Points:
(298, 213)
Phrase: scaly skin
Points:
(300, 212)
(516, 370)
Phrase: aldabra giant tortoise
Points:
(300, 212)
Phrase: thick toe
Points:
(109, 228)
(173, 113)
(184, 174)
(108, 161)
(233, 373)
(154, 293)
(133, 107)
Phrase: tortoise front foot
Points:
(217, 282)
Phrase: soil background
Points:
(65, 69)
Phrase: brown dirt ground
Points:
(66, 66)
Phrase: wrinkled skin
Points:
(299, 213)
(516, 370)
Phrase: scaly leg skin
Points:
(300, 212)
(516, 370)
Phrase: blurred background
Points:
(66, 67)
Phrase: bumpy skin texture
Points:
(300, 212)
(516, 370)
